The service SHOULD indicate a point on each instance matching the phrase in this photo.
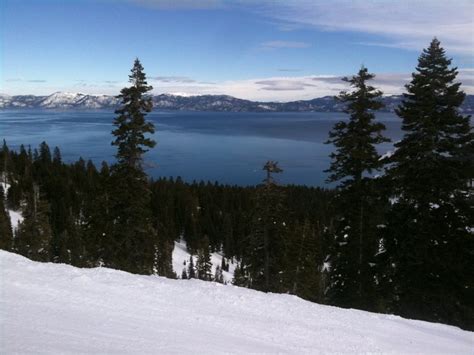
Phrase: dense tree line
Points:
(404, 240)
(67, 210)
(400, 242)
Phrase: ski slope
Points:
(53, 308)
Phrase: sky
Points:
(268, 50)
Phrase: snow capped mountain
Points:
(59, 100)
(181, 102)
(56, 309)
(4, 100)
(78, 100)
(19, 101)
(62, 99)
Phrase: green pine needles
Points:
(131, 229)
(355, 140)
(429, 243)
(131, 125)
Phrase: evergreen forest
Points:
(396, 234)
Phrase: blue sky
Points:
(265, 50)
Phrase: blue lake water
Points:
(227, 147)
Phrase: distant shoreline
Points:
(203, 103)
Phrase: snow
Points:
(387, 155)
(183, 94)
(5, 186)
(15, 218)
(181, 259)
(266, 107)
(59, 309)
(60, 100)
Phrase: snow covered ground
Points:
(51, 308)
(15, 216)
(181, 259)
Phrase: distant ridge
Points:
(215, 103)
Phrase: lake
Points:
(227, 147)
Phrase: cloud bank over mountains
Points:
(279, 88)
(289, 88)
(279, 66)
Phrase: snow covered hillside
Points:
(181, 259)
(15, 216)
(51, 308)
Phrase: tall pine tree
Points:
(351, 278)
(6, 235)
(132, 238)
(204, 264)
(33, 237)
(429, 245)
(262, 267)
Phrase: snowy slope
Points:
(15, 216)
(181, 259)
(51, 308)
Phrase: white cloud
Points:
(283, 84)
(299, 87)
(16, 80)
(409, 24)
(284, 44)
(172, 79)
(289, 69)
(279, 88)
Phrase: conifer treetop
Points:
(271, 167)
(130, 122)
(435, 130)
(355, 140)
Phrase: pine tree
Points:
(132, 238)
(204, 265)
(33, 237)
(161, 205)
(429, 246)
(4, 162)
(131, 126)
(228, 232)
(6, 235)
(219, 276)
(263, 263)
(241, 277)
(57, 159)
(356, 154)
(164, 252)
(191, 269)
(305, 254)
(224, 265)
(95, 218)
(355, 158)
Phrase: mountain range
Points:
(216, 103)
